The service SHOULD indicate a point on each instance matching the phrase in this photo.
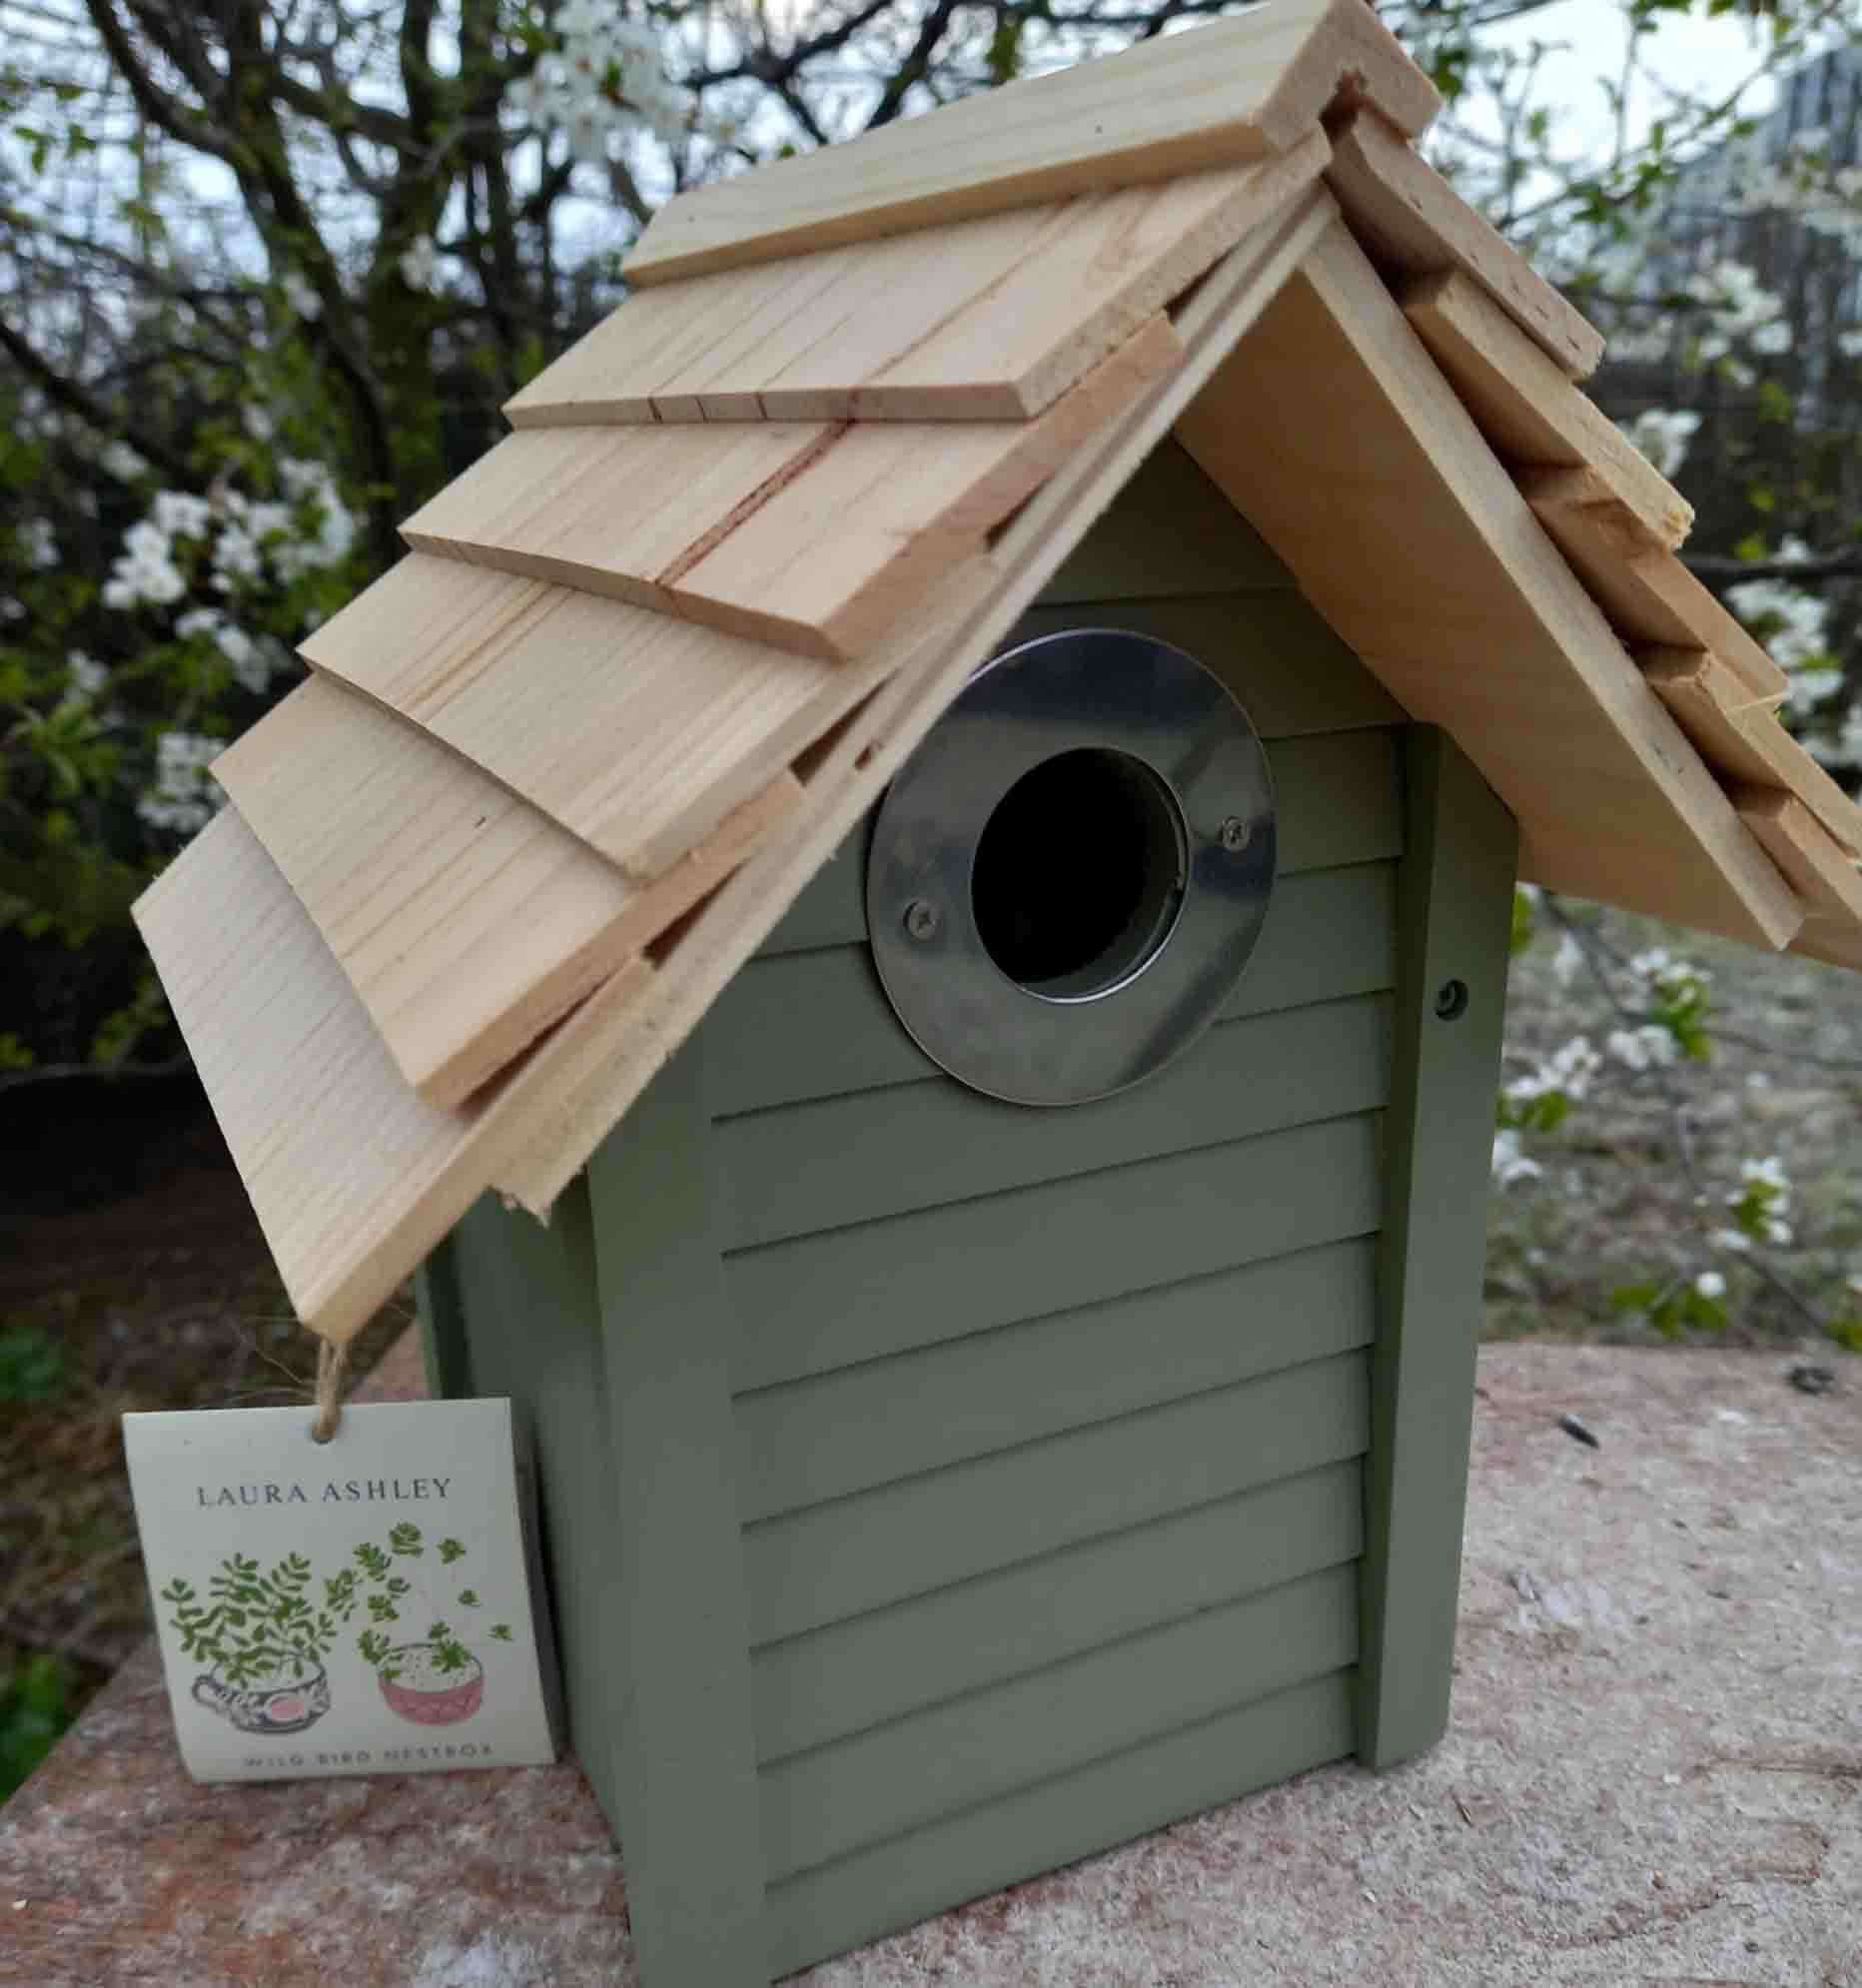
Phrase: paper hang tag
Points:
(357, 1606)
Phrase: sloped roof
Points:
(556, 776)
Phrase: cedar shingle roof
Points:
(556, 776)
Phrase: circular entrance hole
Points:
(1079, 874)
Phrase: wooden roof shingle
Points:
(558, 774)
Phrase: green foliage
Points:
(257, 1625)
(32, 1365)
(1671, 1308)
(34, 1708)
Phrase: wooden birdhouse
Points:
(946, 805)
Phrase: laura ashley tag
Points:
(356, 1606)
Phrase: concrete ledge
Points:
(1652, 1775)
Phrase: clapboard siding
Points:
(1291, 673)
(887, 1153)
(1169, 530)
(832, 1561)
(891, 1884)
(817, 1024)
(852, 1674)
(1340, 799)
(821, 1302)
(883, 1419)
(825, 1803)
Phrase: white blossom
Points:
(179, 515)
(1794, 623)
(1644, 1048)
(1510, 1166)
(419, 264)
(38, 542)
(146, 573)
(257, 422)
(181, 797)
(1663, 435)
(121, 461)
(1734, 1240)
(1568, 961)
(1768, 1172)
(1711, 1284)
(88, 677)
(300, 298)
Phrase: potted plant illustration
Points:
(263, 1639)
(434, 1679)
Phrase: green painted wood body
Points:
(936, 1490)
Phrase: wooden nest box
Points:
(1002, 1355)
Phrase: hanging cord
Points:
(331, 1361)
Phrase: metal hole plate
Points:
(1103, 691)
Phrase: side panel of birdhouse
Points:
(1052, 1425)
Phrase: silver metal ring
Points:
(1067, 876)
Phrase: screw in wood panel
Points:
(922, 918)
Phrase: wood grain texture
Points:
(1385, 473)
(1339, 802)
(798, 1026)
(1456, 921)
(972, 610)
(675, 724)
(1235, 90)
(822, 1302)
(1168, 532)
(1744, 742)
(465, 920)
(860, 1427)
(830, 1561)
(826, 1804)
(1528, 408)
(813, 1689)
(1820, 870)
(1837, 942)
(1414, 222)
(812, 537)
(873, 1155)
(986, 320)
(1648, 596)
(686, 1791)
(352, 1176)
(1055, 1821)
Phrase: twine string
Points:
(331, 1361)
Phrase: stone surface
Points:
(1654, 1773)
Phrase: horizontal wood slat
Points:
(1820, 870)
(968, 615)
(828, 1803)
(1414, 222)
(1040, 1828)
(1235, 90)
(1528, 410)
(352, 1176)
(675, 724)
(869, 1425)
(1648, 593)
(829, 1682)
(823, 1302)
(829, 1561)
(1288, 670)
(985, 320)
(1339, 802)
(1167, 531)
(1745, 743)
(871, 1156)
(814, 537)
(797, 1026)
(1385, 473)
(466, 921)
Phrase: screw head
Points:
(1234, 834)
(922, 919)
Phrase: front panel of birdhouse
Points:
(939, 1487)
